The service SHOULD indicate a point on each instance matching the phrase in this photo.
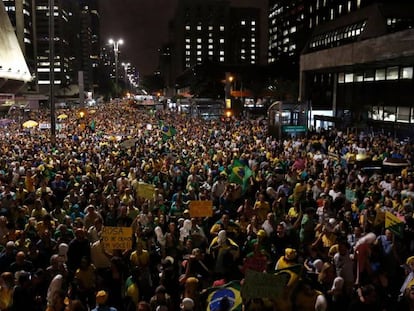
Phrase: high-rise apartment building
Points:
(63, 56)
(88, 56)
(219, 31)
(291, 23)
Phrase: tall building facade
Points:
(291, 23)
(76, 41)
(89, 42)
(219, 31)
(63, 56)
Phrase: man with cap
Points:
(101, 299)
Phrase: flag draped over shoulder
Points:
(228, 294)
(167, 131)
(240, 173)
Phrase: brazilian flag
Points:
(167, 131)
(228, 295)
(240, 174)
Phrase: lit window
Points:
(221, 40)
(293, 29)
(199, 46)
(253, 29)
(221, 59)
(242, 51)
(359, 77)
(187, 46)
(349, 6)
(221, 52)
(198, 52)
(198, 40)
(222, 28)
(407, 73)
(253, 57)
(199, 59)
(349, 77)
(392, 73)
(199, 27)
(254, 39)
(210, 46)
(187, 27)
(341, 77)
(187, 40)
(369, 76)
(210, 53)
(210, 28)
(252, 51)
(253, 23)
(379, 74)
(243, 22)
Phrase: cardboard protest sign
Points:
(201, 208)
(145, 190)
(263, 285)
(117, 238)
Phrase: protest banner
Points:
(145, 190)
(117, 238)
(263, 285)
(201, 208)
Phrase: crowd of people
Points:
(307, 206)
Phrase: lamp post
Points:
(115, 45)
(126, 66)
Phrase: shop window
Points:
(392, 73)
(369, 75)
(349, 77)
(379, 74)
(389, 113)
(403, 114)
(406, 73)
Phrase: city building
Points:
(359, 69)
(219, 31)
(291, 23)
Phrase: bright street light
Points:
(115, 44)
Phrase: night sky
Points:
(142, 24)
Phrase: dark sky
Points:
(142, 24)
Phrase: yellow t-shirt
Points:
(140, 260)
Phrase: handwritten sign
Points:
(263, 285)
(117, 238)
(201, 208)
(145, 190)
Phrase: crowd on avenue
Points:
(302, 207)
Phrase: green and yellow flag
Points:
(167, 131)
(240, 174)
(226, 297)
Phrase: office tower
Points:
(218, 31)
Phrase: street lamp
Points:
(126, 66)
(115, 45)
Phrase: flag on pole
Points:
(227, 295)
(240, 174)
